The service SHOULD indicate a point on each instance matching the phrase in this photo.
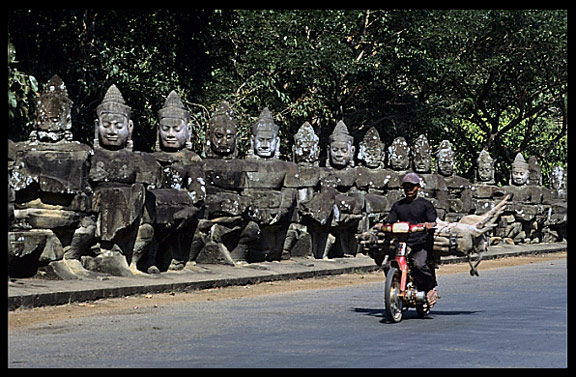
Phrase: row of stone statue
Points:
(77, 211)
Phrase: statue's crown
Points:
(265, 122)
(174, 108)
(520, 162)
(113, 102)
(223, 116)
(340, 133)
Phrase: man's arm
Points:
(393, 214)
(431, 216)
(391, 218)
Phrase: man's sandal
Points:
(432, 297)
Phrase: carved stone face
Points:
(519, 176)
(421, 155)
(372, 155)
(371, 149)
(265, 143)
(223, 140)
(306, 151)
(114, 130)
(485, 172)
(399, 154)
(421, 161)
(51, 116)
(557, 180)
(174, 133)
(341, 153)
(446, 165)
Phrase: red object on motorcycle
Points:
(404, 270)
(402, 227)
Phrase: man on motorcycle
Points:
(417, 210)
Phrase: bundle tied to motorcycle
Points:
(467, 237)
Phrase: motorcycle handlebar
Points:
(375, 236)
(401, 227)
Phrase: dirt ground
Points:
(22, 318)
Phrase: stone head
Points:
(485, 168)
(173, 125)
(221, 137)
(53, 116)
(371, 149)
(341, 147)
(519, 173)
(534, 171)
(113, 125)
(264, 139)
(445, 159)
(306, 149)
(558, 180)
(399, 154)
(421, 156)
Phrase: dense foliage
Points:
(493, 79)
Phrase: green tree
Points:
(485, 79)
(505, 73)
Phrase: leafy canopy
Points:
(484, 79)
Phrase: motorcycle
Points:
(400, 292)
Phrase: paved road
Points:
(508, 317)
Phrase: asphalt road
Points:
(507, 317)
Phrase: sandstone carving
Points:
(77, 212)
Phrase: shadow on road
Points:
(411, 314)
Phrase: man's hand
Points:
(429, 226)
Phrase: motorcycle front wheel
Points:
(392, 299)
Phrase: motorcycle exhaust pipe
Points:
(420, 297)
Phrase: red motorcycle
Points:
(401, 292)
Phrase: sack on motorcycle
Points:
(455, 243)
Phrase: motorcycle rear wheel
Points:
(392, 299)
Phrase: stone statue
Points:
(225, 232)
(522, 221)
(221, 135)
(264, 139)
(179, 199)
(519, 173)
(119, 178)
(371, 151)
(534, 172)
(53, 117)
(306, 149)
(555, 224)
(459, 188)
(75, 212)
(334, 213)
(445, 159)
(372, 179)
(341, 148)
(399, 163)
(52, 197)
(399, 155)
(485, 168)
(272, 203)
(305, 179)
(174, 127)
(421, 155)
(558, 183)
(434, 186)
(484, 189)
